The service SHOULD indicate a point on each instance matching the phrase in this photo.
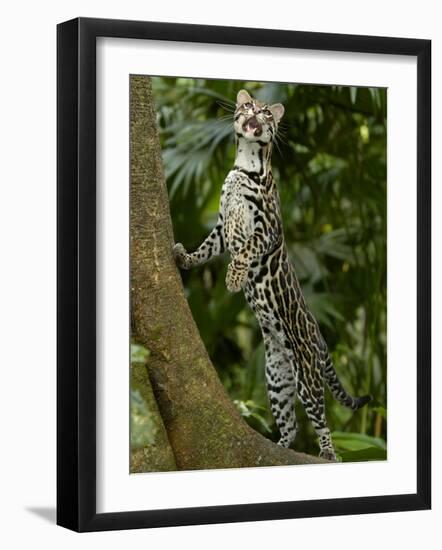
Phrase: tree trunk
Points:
(150, 447)
(204, 427)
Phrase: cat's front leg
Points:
(236, 277)
(212, 246)
(254, 247)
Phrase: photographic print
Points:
(258, 245)
(222, 256)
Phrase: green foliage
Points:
(142, 428)
(353, 447)
(254, 414)
(138, 353)
(142, 424)
(330, 164)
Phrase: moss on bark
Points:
(204, 427)
(150, 448)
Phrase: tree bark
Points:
(153, 453)
(203, 426)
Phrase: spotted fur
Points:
(249, 226)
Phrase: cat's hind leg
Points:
(281, 389)
(311, 394)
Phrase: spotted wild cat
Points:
(249, 226)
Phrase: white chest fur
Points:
(249, 156)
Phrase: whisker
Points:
(227, 101)
(281, 141)
(281, 136)
(275, 141)
(226, 106)
(224, 119)
(223, 123)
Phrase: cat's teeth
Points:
(252, 125)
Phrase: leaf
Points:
(323, 306)
(307, 263)
(248, 409)
(357, 441)
(368, 453)
(334, 243)
(261, 421)
(142, 425)
(138, 353)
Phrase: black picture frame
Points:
(76, 272)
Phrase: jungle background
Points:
(330, 165)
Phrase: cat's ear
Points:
(277, 111)
(243, 97)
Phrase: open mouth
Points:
(252, 125)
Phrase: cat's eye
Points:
(267, 112)
(247, 105)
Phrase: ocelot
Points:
(249, 226)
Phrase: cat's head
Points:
(256, 121)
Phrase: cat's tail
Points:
(339, 392)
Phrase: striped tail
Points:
(339, 392)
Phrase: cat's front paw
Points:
(236, 278)
(182, 258)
